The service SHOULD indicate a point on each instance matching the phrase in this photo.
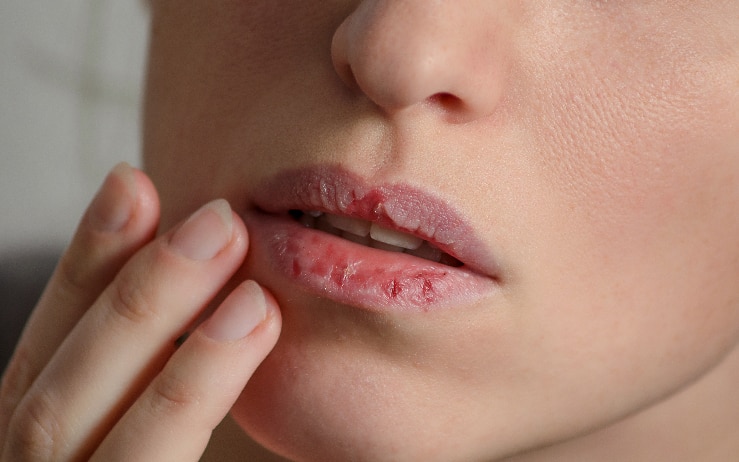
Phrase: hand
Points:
(96, 373)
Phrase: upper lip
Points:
(334, 190)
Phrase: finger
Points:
(119, 221)
(122, 341)
(174, 418)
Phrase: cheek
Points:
(642, 130)
(650, 171)
(635, 252)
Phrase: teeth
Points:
(373, 235)
(383, 246)
(350, 225)
(323, 224)
(364, 240)
(395, 238)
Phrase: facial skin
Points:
(592, 145)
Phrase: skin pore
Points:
(592, 146)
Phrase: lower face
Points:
(599, 196)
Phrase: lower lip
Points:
(328, 266)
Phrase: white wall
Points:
(70, 81)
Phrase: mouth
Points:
(373, 235)
(392, 247)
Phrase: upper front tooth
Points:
(350, 225)
(396, 238)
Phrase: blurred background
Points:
(70, 82)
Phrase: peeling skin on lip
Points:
(333, 190)
(324, 262)
(398, 207)
(338, 271)
(331, 267)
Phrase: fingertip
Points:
(271, 328)
(112, 207)
(120, 220)
(241, 313)
(240, 233)
(273, 308)
(206, 233)
(126, 203)
(147, 207)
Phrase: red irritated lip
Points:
(348, 272)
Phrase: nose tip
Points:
(399, 58)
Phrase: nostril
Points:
(346, 74)
(454, 108)
(447, 101)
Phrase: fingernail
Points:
(113, 204)
(206, 232)
(242, 311)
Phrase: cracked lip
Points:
(326, 265)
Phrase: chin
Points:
(309, 406)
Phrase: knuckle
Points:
(171, 394)
(130, 299)
(73, 276)
(35, 431)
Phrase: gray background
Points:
(70, 84)
(70, 81)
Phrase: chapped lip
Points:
(333, 190)
(369, 277)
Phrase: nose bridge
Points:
(403, 52)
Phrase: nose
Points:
(446, 54)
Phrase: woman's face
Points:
(580, 158)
